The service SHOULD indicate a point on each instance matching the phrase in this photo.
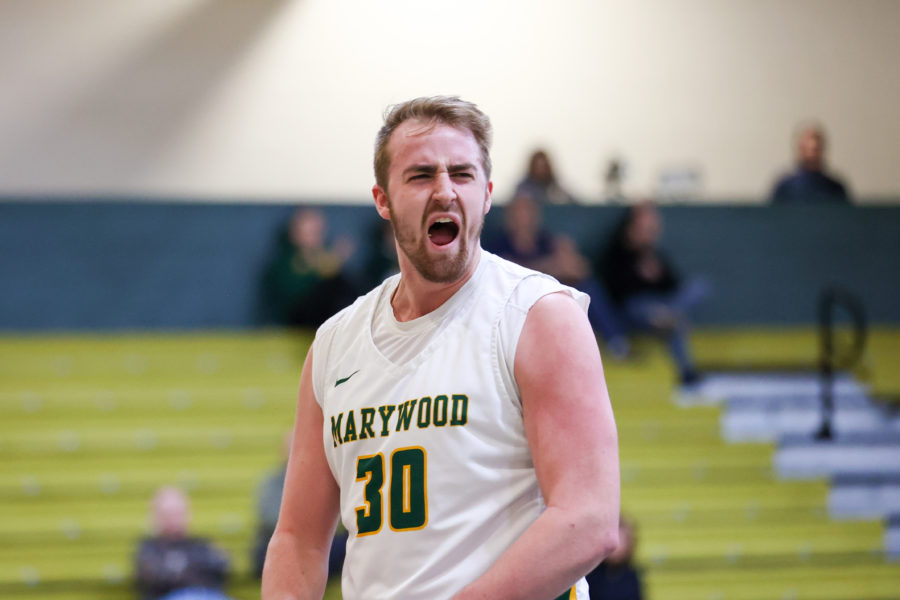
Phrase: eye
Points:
(464, 175)
(420, 176)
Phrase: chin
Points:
(446, 268)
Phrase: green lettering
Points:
(336, 430)
(385, 411)
(350, 431)
(440, 410)
(424, 417)
(365, 427)
(460, 414)
(404, 414)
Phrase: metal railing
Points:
(831, 357)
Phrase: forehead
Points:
(811, 135)
(170, 499)
(427, 143)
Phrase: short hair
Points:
(447, 110)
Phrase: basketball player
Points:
(455, 418)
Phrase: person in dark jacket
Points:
(641, 280)
(810, 183)
(616, 578)
(172, 563)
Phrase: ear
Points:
(381, 202)
(488, 197)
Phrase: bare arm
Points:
(297, 559)
(572, 436)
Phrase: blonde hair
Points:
(447, 110)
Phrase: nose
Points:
(444, 192)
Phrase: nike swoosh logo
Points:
(344, 380)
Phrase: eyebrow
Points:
(462, 167)
(431, 169)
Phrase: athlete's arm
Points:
(572, 437)
(296, 565)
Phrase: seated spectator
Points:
(616, 578)
(540, 182)
(305, 283)
(643, 284)
(267, 508)
(526, 242)
(171, 564)
(810, 182)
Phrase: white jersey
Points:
(435, 473)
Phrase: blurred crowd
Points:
(809, 181)
(634, 285)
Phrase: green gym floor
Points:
(90, 425)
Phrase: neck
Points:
(415, 296)
(811, 167)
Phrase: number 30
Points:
(408, 494)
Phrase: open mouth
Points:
(443, 231)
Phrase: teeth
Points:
(440, 220)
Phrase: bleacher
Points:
(91, 425)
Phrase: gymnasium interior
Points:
(151, 154)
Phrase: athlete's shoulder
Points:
(523, 286)
(508, 269)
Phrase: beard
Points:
(441, 269)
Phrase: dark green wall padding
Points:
(133, 265)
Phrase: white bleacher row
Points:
(862, 460)
(776, 385)
(874, 454)
(864, 496)
(773, 418)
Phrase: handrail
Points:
(830, 358)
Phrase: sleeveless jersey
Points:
(435, 474)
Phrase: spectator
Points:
(540, 182)
(267, 508)
(305, 283)
(809, 182)
(526, 242)
(616, 577)
(643, 284)
(171, 564)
